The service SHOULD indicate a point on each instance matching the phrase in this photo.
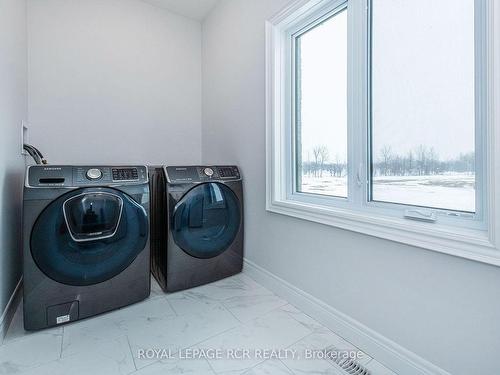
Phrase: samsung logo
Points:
(52, 168)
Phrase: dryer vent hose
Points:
(34, 153)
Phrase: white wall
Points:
(115, 81)
(443, 308)
(12, 113)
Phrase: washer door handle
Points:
(86, 216)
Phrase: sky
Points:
(422, 72)
(324, 87)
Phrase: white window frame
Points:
(470, 236)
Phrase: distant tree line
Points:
(422, 161)
(417, 162)
(321, 163)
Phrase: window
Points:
(321, 107)
(377, 120)
(423, 111)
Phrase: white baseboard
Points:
(387, 352)
(10, 310)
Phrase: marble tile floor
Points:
(230, 327)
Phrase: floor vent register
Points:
(350, 366)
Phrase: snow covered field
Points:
(451, 191)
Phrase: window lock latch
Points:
(421, 215)
(359, 179)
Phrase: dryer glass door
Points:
(206, 220)
(89, 236)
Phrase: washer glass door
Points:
(206, 220)
(89, 236)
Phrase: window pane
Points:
(423, 103)
(321, 108)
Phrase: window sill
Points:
(470, 244)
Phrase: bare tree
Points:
(421, 159)
(316, 154)
(339, 166)
(386, 156)
(410, 162)
(321, 156)
(433, 164)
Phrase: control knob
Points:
(94, 174)
(209, 172)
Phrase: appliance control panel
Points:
(76, 176)
(202, 174)
(125, 174)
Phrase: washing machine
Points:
(86, 241)
(196, 225)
